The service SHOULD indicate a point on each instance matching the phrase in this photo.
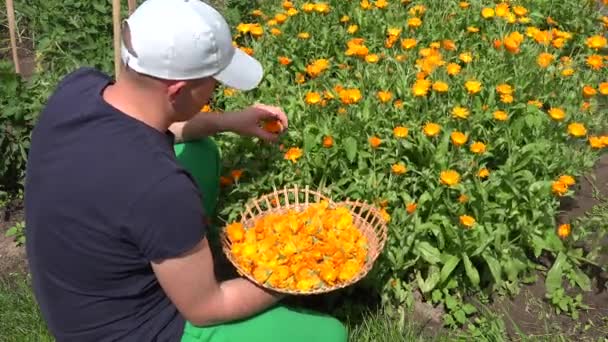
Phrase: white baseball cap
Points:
(184, 40)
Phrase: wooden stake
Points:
(132, 5)
(10, 11)
(117, 38)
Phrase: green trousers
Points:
(279, 323)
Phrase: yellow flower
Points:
(487, 12)
(478, 147)
(410, 207)
(576, 129)
(500, 115)
(349, 96)
(463, 198)
(453, 69)
(372, 58)
(520, 10)
(595, 62)
(557, 114)
(313, 98)
(458, 138)
(440, 87)
(563, 231)
(460, 112)
(431, 129)
(398, 169)
(596, 42)
(321, 8)
(408, 43)
(303, 35)
(544, 59)
(421, 87)
(596, 142)
(450, 177)
(603, 88)
(567, 179)
(504, 89)
(293, 154)
(567, 72)
(466, 57)
(400, 132)
(467, 221)
(473, 86)
(588, 91)
(384, 96)
(559, 188)
(414, 22)
(483, 173)
(352, 29)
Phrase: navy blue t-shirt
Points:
(104, 196)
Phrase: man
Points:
(116, 232)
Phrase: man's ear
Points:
(174, 89)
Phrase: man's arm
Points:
(246, 122)
(190, 283)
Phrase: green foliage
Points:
(17, 232)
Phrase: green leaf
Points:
(429, 253)
(350, 146)
(450, 302)
(494, 267)
(554, 276)
(460, 316)
(431, 280)
(469, 309)
(581, 279)
(471, 271)
(449, 266)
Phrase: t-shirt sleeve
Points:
(168, 219)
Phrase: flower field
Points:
(467, 122)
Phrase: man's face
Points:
(192, 96)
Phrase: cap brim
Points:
(243, 72)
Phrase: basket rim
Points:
(378, 231)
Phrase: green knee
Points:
(201, 158)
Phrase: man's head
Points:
(181, 49)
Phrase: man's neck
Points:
(138, 104)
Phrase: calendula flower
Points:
(596, 42)
(595, 62)
(478, 147)
(453, 69)
(467, 221)
(473, 86)
(458, 138)
(567, 72)
(567, 179)
(460, 112)
(596, 142)
(563, 231)
(603, 87)
(303, 35)
(283, 60)
(448, 44)
(559, 188)
(372, 58)
(557, 114)
(588, 91)
(500, 115)
(449, 177)
(374, 141)
(431, 129)
(483, 173)
(411, 208)
(520, 10)
(313, 98)
(293, 154)
(421, 87)
(504, 89)
(544, 59)
(466, 57)
(414, 22)
(440, 87)
(328, 141)
(400, 132)
(349, 96)
(398, 169)
(408, 43)
(577, 129)
(384, 96)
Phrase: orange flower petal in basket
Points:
(299, 241)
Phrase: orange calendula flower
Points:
(544, 59)
(273, 126)
(411, 208)
(313, 98)
(478, 147)
(577, 129)
(431, 129)
(236, 174)
(557, 114)
(487, 12)
(453, 69)
(564, 230)
(440, 87)
(398, 169)
(473, 86)
(595, 62)
(449, 177)
(328, 141)
(483, 173)
(504, 89)
(588, 91)
(460, 112)
(414, 22)
(283, 60)
(596, 42)
(408, 43)
(374, 141)
(559, 188)
(372, 58)
(293, 154)
(384, 96)
(349, 96)
(458, 138)
(596, 142)
(603, 87)
(467, 221)
(400, 132)
(421, 87)
(500, 115)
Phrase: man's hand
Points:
(250, 122)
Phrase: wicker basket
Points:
(367, 219)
